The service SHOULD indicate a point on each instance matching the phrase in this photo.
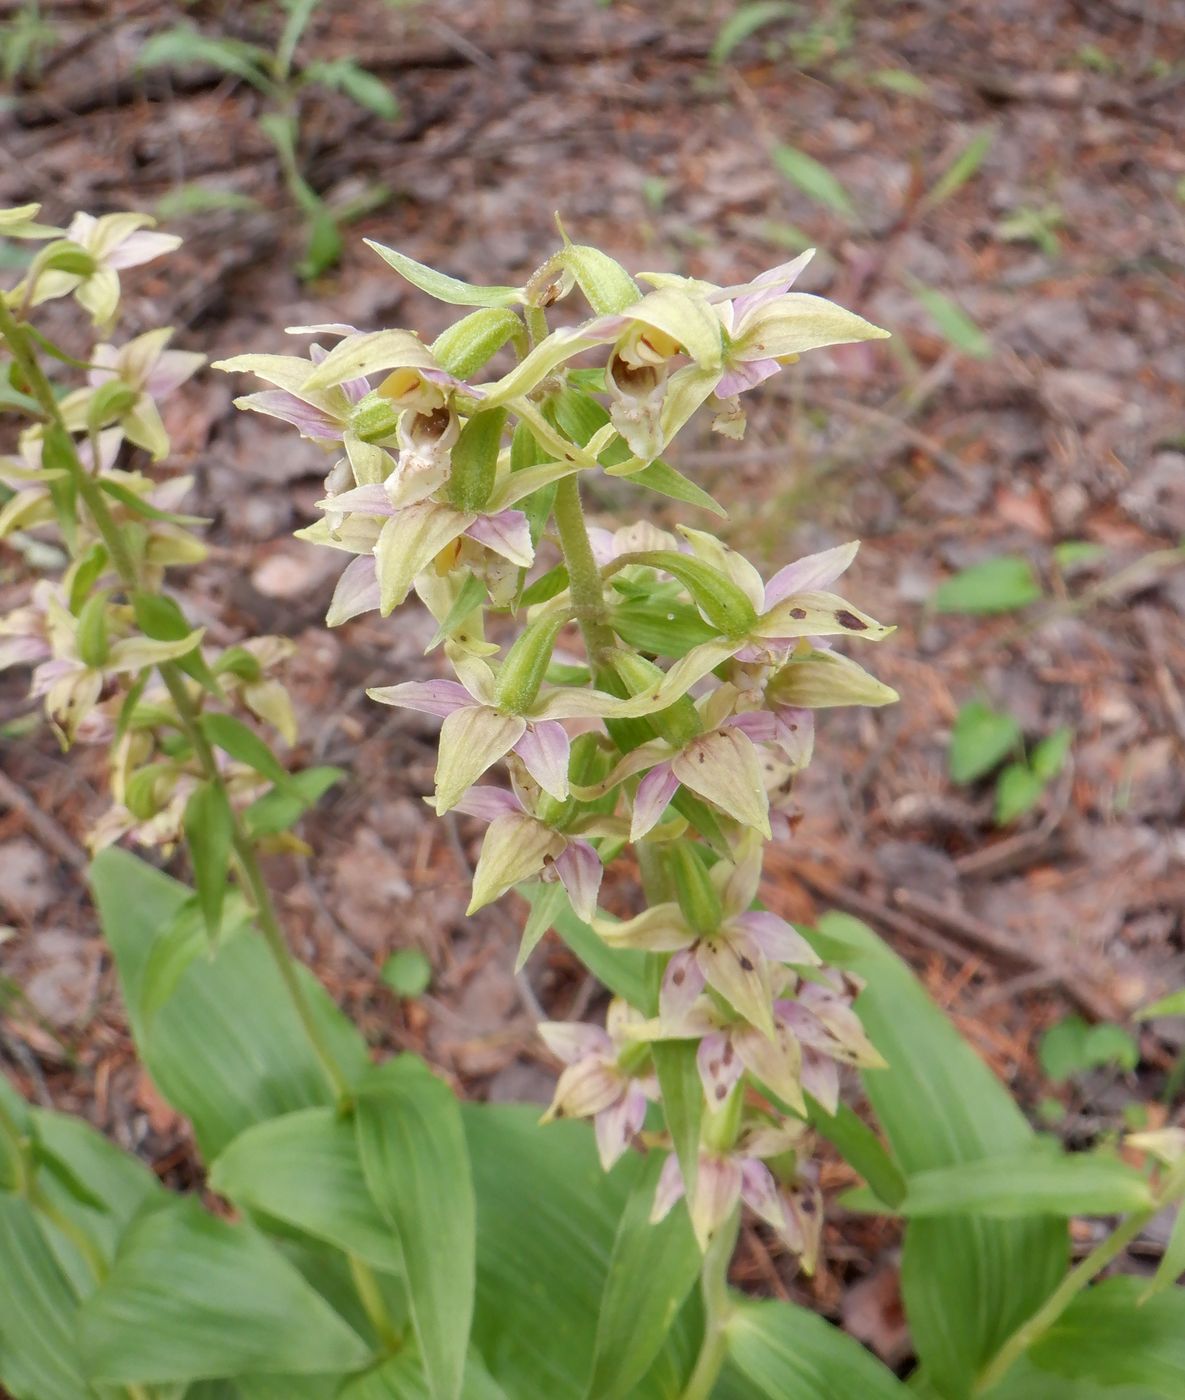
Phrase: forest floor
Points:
(1059, 422)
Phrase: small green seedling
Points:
(1072, 1047)
(1000, 585)
(407, 972)
(983, 738)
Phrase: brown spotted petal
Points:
(588, 1087)
(735, 967)
(724, 768)
(776, 1062)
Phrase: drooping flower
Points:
(595, 1084)
(519, 844)
(737, 960)
(114, 242)
(725, 1179)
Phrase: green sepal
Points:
(526, 664)
(138, 506)
(474, 462)
(475, 339)
(233, 737)
(140, 792)
(238, 661)
(161, 619)
(546, 586)
(93, 645)
(109, 403)
(720, 600)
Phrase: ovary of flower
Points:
(594, 1085)
(401, 541)
(736, 961)
(115, 242)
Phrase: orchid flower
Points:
(114, 242)
(519, 844)
(595, 1085)
(725, 1179)
(737, 960)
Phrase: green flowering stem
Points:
(14, 334)
(584, 578)
(367, 1288)
(1082, 1274)
(718, 1308)
(265, 913)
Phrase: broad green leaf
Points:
(954, 325)
(304, 1169)
(415, 1161)
(1172, 1261)
(813, 179)
(401, 1377)
(622, 970)
(442, 287)
(960, 170)
(994, 586)
(228, 1049)
(660, 628)
(651, 1271)
(1031, 1183)
(968, 1281)
(788, 1353)
(192, 1297)
(746, 20)
(981, 739)
(209, 830)
(1018, 790)
(1109, 1337)
(547, 1218)
(39, 1357)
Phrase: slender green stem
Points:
(367, 1288)
(718, 1309)
(1083, 1273)
(584, 578)
(14, 334)
(265, 913)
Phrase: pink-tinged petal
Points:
(719, 1067)
(323, 328)
(777, 939)
(362, 500)
(653, 797)
(820, 1079)
(357, 591)
(717, 1191)
(507, 533)
(804, 1224)
(669, 1190)
(808, 575)
(488, 803)
(682, 982)
(585, 1089)
(141, 247)
(48, 674)
(574, 1040)
(21, 651)
(796, 734)
(743, 375)
(444, 380)
(735, 967)
(545, 750)
(171, 371)
(602, 542)
(615, 1128)
(776, 280)
(580, 870)
(759, 1191)
(807, 1028)
(279, 403)
(439, 698)
(759, 725)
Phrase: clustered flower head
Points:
(95, 636)
(638, 688)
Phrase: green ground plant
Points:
(374, 1237)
